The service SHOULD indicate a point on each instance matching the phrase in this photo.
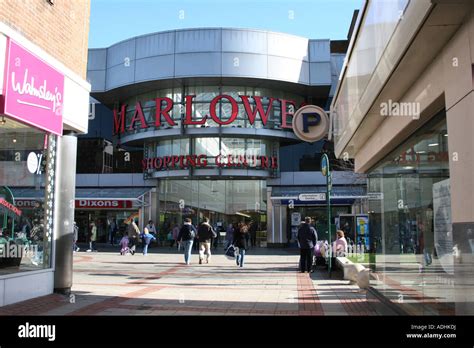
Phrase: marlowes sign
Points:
(164, 105)
(33, 90)
(201, 161)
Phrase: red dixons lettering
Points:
(163, 106)
(10, 207)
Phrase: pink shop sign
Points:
(34, 90)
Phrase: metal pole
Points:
(64, 211)
(326, 171)
(328, 195)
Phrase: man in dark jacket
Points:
(307, 238)
(205, 235)
(186, 237)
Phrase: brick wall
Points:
(61, 29)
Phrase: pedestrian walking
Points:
(93, 238)
(133, 233)
(151, 228)
(174, 233)
(229, 235)
(205, 234)
(244, 228)
(196, 243)
(112, 231)
(239, 241)
(215, 240)
(186, 236)
(253, 233)
(75, 238)
(147, 238)
(307, 238)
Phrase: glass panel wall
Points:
(377, 28)
(222, 201)
(411, 223)
(27, 162)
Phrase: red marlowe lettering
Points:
(251, 114)
(164, 112)
(285, 113)
(189, 112)
(234, 112)
(119, 120)
(164, 107)
(141, 117)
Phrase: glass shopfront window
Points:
(27, 161)
(222, 201)
(411, 223)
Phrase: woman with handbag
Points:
(240, 242)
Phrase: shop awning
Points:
(130, 194)
(118, 193)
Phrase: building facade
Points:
(44, 100)
(201, 125)
(403, 111)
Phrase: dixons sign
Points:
(102, 204)
(81, 204)
(9, 207)
(164, 106)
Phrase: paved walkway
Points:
(106, 283)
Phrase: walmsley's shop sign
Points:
(33, 90)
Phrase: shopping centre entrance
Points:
(224, 202)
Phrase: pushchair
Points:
(125, 249)
(319, 258)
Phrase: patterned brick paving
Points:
(106, 283)
(35, 306)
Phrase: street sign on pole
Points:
(326, 171)
(375, 196)
(304, 197)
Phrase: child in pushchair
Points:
(320, 253)
(124, 245)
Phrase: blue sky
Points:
(115, 20)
